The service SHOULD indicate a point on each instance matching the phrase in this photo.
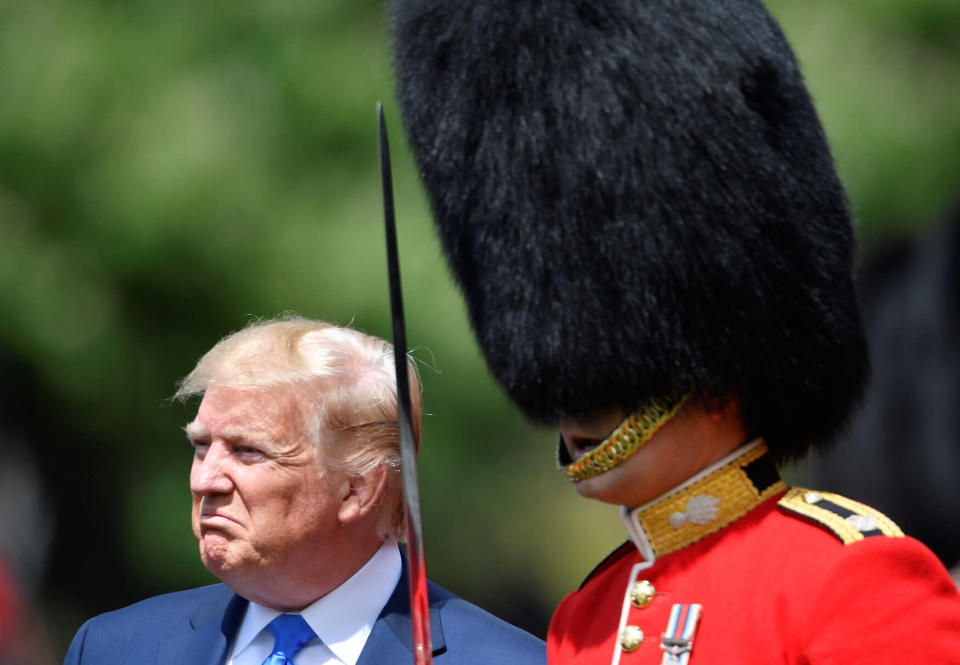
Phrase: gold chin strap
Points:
(627, 439)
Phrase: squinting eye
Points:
(248, 451)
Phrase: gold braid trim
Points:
(729, 488)
(849, 520)
(627, 439)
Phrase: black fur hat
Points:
(637, 200)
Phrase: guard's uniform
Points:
(759, 574)
(639, 204)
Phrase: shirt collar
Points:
(344, 617)
(704, 503)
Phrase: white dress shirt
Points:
(342, 619)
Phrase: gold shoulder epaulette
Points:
(849, 520)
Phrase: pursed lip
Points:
(213, 518)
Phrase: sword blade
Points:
(419, 603)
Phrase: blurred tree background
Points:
(169, 171)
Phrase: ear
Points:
(363, 494)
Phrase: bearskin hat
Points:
(637, 200)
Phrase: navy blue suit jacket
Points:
(196, 627)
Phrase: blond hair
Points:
(349, 390)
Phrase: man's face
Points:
(264, 502)
(690, 441)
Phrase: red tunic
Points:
(775, 588)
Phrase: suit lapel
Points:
(391, 640)
(213, 624)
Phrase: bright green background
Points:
(169, 170)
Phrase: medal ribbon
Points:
(677, 641)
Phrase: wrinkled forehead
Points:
(232, 412)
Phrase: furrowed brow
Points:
(196, 431)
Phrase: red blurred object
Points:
(9, 612)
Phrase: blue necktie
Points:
(290, 633)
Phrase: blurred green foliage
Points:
(170, 170)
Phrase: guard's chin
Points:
(602, 487)
(588, 488)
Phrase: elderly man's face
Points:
(264, 501)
